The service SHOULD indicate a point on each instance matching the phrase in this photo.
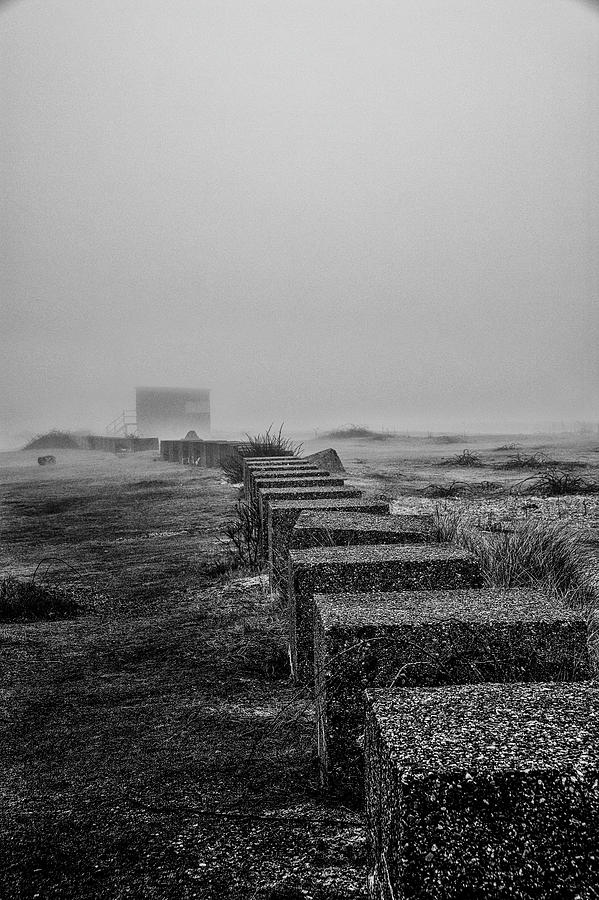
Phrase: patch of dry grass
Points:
(534, 553)
(27, 599)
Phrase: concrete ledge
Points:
(421, 638)
(485, 791)
(371, 568)
(282, 516)
(334, 529)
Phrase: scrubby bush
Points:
(244, 534)
(466, 459)
(28, 599)
(347, 432)
(53, 440)
(522, 461)
(267, 444)
(554, 482)
(447, 438)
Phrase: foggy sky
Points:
(381, 212)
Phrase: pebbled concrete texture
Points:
(282, 516)
(282, 472)
(252, 463)
(297, 479)
(338, 528)
(371, 568)
(267, 496)
(483, 791)
(422, 638)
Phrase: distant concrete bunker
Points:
(171, 413)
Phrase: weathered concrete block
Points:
(422, 638)
(251, 463)
(329, 459)
(307, 480)
(283, 515)
(266, 496)
(484, 791)
(369, 568)
(265, 477)
(323, 528)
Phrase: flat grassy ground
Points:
(153, 745)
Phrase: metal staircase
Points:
(125, 425)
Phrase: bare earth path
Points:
(153, 746)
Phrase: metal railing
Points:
(125, 424)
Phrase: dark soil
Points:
(153, 747)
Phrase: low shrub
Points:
(219, 566)
(465, 459)
(512, 446)
(440, 491)
(447, 438)
(28, 599)
(553, 482)
(523, 461)
(244, 534)
(347, 432)
(53, 440)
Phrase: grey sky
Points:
(336, 211)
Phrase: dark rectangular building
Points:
(170, 413)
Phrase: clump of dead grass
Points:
(465, 459)
(524, 461)
(462, 489)
(219, 566)
(244, 534)
(28, 599)
(536, 553)
(554, 482)
(268, 443)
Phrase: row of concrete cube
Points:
(466, 713)
(198, 452)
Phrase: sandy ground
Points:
(153, 746)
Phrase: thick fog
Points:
(380, 212)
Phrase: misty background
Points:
(378, 212)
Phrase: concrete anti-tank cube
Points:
(484, 791)
(266, 496)
(252, 463)
(324, 528)
(282, 517)
(422, 638)
(292, 478)
(280, 472)
(369, 568)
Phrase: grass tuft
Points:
(547, 555)
(31, 600)
(268, 443)
(554, 482)
(466, 459)
(244, 534)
